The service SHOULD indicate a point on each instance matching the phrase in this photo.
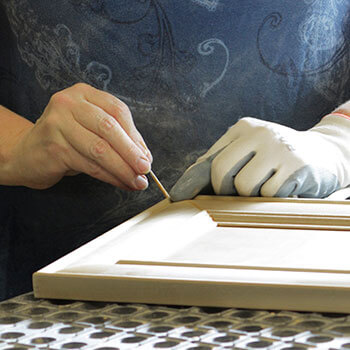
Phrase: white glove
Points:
(256, 157)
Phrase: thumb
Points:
(196, 178)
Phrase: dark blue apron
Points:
(188, 69)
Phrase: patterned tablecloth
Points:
(26, 322)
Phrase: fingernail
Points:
(146, 151)
(149, 155)
(141, 182)
(143, 165)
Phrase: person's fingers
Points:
(119, 111)
(215, 166)
(228, 163)
(305, 181)
(194, 180)
(90, 167)
(253, 175)
(274, 185)
(98, 150)
(232, 134)
(103, 125)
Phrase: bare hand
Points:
(82, 130)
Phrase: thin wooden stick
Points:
(161, 187)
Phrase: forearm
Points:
(12, 126)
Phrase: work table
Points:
(26, 322)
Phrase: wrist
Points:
(12, 151)
(335, 128)
(340, 113)
(343, 110)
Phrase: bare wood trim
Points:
(234, 267)
(284, 226)
(225, 218)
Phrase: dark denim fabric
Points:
(188, 69)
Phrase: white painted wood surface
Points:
(264, 253)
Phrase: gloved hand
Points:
(256, 157)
